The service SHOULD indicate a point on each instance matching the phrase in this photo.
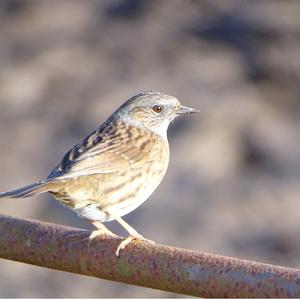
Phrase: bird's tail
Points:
(27, 191)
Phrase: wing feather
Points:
(110, 149)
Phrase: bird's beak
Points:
(186, 110)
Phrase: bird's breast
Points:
(131, 187)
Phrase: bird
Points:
(116, 167)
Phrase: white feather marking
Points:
(92, 213)
(162, 129)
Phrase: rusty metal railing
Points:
(141, 263)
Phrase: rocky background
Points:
(232, 186)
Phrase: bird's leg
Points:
(92, 213)
(131, 231)
(133, 234)
(101, 230)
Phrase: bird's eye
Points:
(157, 108)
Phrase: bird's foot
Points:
(100, 231)
(125, 242)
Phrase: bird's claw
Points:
(128, 240)
(100, 232)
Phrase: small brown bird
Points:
(117, 167)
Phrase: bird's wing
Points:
(106, 152)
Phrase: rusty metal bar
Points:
(144, 264)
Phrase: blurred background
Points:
(232, 187)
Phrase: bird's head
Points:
(153, 110)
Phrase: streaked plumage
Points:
(118, 166)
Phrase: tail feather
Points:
(27, 191)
